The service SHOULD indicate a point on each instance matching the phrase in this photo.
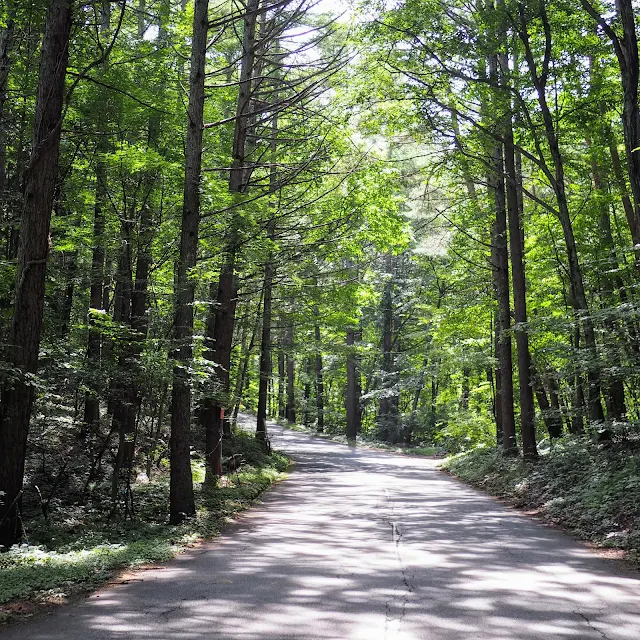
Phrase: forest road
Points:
(366, 545)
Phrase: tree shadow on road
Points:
(365, 545)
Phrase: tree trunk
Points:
(269, 272)
(319, 373)
(290, 408)
(385, 411)
(527, 425)
(181, 498)
(626, 50)
(94, 342)
(244, 365)
(225, 315)
(307, 393)
(227, 291)
(122, 397)
(26, 327)
(551, 418)
(613, 384)
(557, 180)
(351, 395)
(630, 73)
(497, 408)
(500, 271)
(265, 348)
(282, 409)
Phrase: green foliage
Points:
(465, 430)
(77, 548)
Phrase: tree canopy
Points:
(416, 222)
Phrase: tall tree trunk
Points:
(282, 409)
(213, 436)
(351, 396)
(94, 342)
(358, 364)
(91, 418)
(39, 190)
(385, 411)
(319, 372)
(500, 272)
(244, 365)
(290, 408)
(550, 416)
(225, 312)
(265, 343)
(269, 273)
(227, 290)
(613, 384)
(557, 180)
(181, 498)
(124, 413)
(515, 211)
(497, 408)
(527, 425)
(307, 393)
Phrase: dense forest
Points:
(414, 222)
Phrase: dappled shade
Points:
(366, 545)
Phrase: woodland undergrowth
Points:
(77, 547)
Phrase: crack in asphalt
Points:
(590, 624)
(408, 588)
(167, 612)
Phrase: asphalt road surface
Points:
(365, 545)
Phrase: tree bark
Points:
(500, 272)
(552, 418)
(527, 425)
(94, 341)
(269, 273)
(181, 498)
(265, 343)
(225, 312)
(385, 412)
(17, 394)
(557, 180)
(290, 408)
(351, 395)
(244, 365)
(319, 373)
(282, 409)
(227, 291)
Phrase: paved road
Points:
(363, 545)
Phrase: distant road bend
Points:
(366, 545)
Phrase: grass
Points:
(591, 490)
(77, 549)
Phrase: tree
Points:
(26, 327)
(181, 495)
